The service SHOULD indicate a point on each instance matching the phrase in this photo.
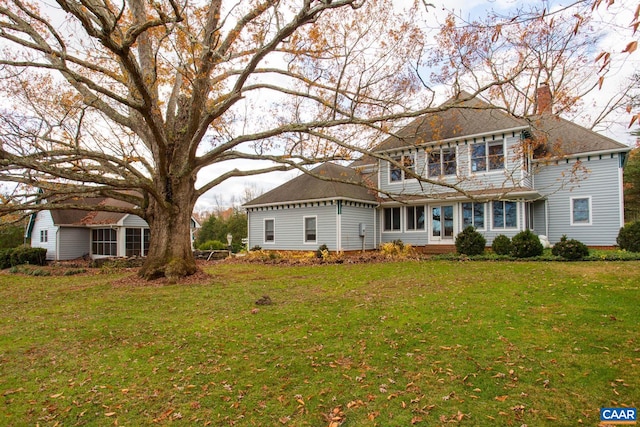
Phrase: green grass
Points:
(390, 344)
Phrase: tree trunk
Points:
(170, 253)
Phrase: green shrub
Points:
(28, 255)
(502, 245)
(213, 245)
(5, 258)
(470, 242)
(570, 249)
(526, 245)
(629, 237)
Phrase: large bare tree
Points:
(134, 99)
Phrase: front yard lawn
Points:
(398, 343)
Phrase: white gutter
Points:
(295, 202)
(584, 154)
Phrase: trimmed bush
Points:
(470, 242)
(28, 255)
(502, 245)
(570, 249)
(629, 237)
(213, 245)
(526, 245)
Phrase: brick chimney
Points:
(543, 96)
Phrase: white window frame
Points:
(264, 231)
(384, 220)
(473, 217)
(406, 219)
(493, 226)
(400, 159)
(44, 236)
(108, 240)
(488, 143)
(304, 229)
(441, 151)
(571, 211)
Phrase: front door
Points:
(442, 223)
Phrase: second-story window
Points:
(487, 156)
(442, 161)
(396, 173)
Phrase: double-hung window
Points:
(392, 219)
(442, 161)
(310, 229)
(581, 211)
(473, 214)
(397, 173)
(44, 236)
(487, 156)
(415, 218)
(505, 214)
(269, 230)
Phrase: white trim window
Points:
(104, 241)
(415, 218)
(310, 229)
(44, 236)
(505, 214)
(398, 174)
(391, 219)
(442, 161)
(581, 210)
(269, 234)
(473, 214)
(136, 241)
(487, 156)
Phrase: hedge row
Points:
(22, 255)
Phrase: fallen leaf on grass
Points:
(109, 414)
(501, 398)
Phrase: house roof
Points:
(82, 218)
(468, 118)
(307, 187)
(561, 137)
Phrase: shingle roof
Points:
(81, 218)
(476, 117)
(563, 137)
(472, 117)
(309, 187)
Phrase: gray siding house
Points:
(69, 234)
(333, 207)
(469, 165)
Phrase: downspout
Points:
(339, 227)
(621, 187)
(57, 257)
(546, 217)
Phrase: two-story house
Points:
(472, 164)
